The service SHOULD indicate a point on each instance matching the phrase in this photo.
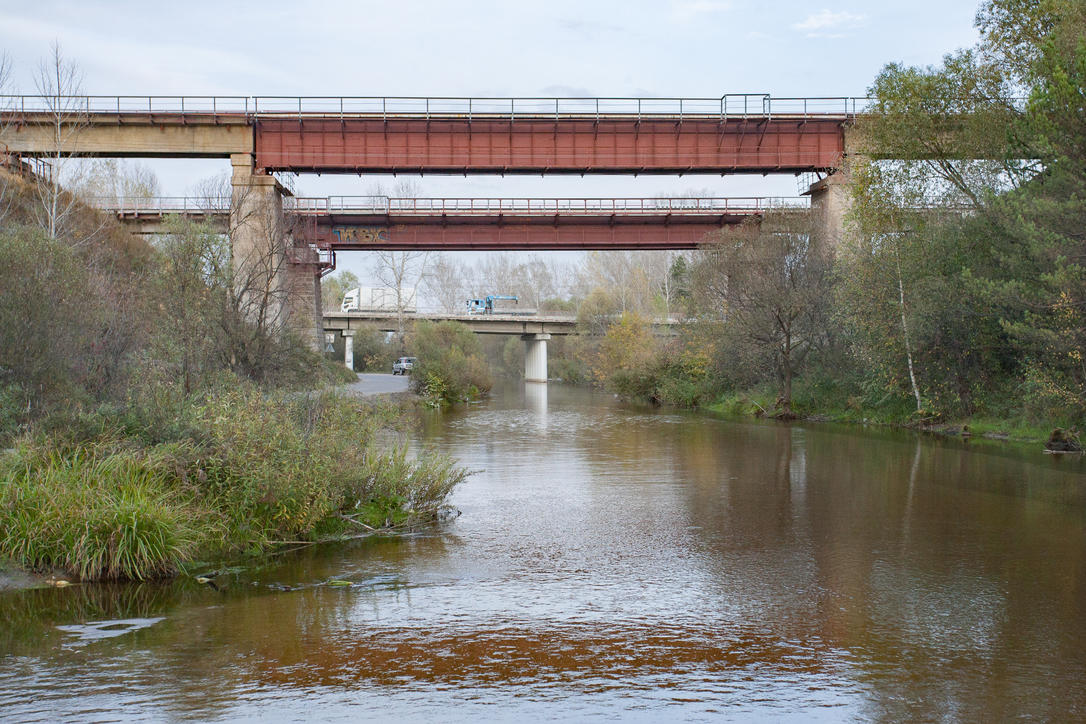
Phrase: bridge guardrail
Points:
(729, 105)
(150, 104)
(161, 204)
(487, 206)
(456, 205)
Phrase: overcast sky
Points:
(689, 48)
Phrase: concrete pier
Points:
(535, 357)
(348, 349)
(830, 202)
(278, 280)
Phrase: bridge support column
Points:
(277, 281)
(831, 200)
(348, 349)
(535, 357)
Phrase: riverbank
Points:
(810, 404)
(142, 492)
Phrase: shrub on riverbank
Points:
(98, 510)
(237, 472)
(450, 366)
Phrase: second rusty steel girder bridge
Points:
(346, 223)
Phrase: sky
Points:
(582, 48)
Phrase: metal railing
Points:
(530, 206)
(207, 105)
(161, 204)
(466, 206)
(728, 105)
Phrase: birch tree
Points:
(59, 87)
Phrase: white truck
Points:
(377, 299)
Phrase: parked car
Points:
(403, 365)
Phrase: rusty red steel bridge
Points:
(735, 133)
(351, 223)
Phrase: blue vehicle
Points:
(486, 306)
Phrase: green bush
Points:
(372, 353)
(450, 366)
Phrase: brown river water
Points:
(614, 563)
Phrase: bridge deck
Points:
(478, 323)
(370, 223)
(753, 133)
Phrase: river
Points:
(614, 563)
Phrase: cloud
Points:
(828, 24)
(687, 10)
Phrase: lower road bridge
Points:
(535, 330)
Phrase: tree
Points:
(975, 197)
(113, 180)
(447, 283)
(627, 357)
(450, 366)
(191, 280)
(633, 281)
(334, 287)
(402, 272)
(678, 280)
(772, 286)
(59, 86)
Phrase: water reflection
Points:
(535, 400)
(617, 562)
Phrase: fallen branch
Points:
(356, 522)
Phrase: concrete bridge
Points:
(748, 133)
(535, 330)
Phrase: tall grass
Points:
(242, 472)
(97, 511)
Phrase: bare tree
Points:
(537, 278)
(447, 283)
(401, 271)
(771, 284)
(113, 180)
(623, 277)
(59, 86)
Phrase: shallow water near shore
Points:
(618, 563)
